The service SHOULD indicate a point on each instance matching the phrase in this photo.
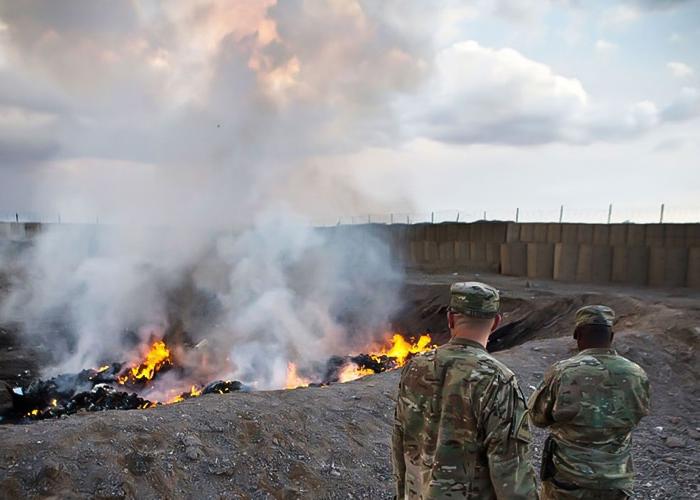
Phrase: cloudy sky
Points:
(164, 110)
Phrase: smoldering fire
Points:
(143, 382)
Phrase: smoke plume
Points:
(178, 133)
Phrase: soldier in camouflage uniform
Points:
(461, 429)
(590, 403)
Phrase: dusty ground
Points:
(333, 442)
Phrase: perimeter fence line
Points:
(662, 213)
(610, 215)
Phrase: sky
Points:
(218, 110)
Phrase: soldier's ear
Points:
(496, 321)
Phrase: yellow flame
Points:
(33, 413)
(54, 402)
(194, 392)
(294, 380)
(352, 372)
(400, 348)
(157, 356)
(103, 368)
(397, 348)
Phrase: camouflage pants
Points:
(550, 491)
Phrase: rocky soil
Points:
(334, 442)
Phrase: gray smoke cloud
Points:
(180, 129)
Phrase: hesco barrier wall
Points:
(665, 255)
(660, 255)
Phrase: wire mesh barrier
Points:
(611, 214)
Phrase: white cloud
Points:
(679, 69)
(620, 15)
(684, 107)
(481, 95)
(605, 46)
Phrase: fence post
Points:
(517, 214)
(661, 217)
(16, 217)
(484, 214)
(609, 213)
(432, 217)
(457, 216)
(408, 219)
(561, 213)
(391, 218)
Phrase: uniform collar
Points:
(599, 350)
(467, 342)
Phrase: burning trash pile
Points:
(130, 386)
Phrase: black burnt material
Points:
(377, 364)
(222, 387)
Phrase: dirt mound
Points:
(327, 442)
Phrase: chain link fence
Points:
(611, 214)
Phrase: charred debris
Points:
(107, 388)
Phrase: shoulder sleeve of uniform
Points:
(397, 437)
(507, 437)
(641, 389)
(542, 401)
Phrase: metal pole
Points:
(661, 217)
(561, 213)
(391, 218)
(432, 217)
(457, 216)
(484, 214)
(16, 217)
(369, 219)
(517, 214)
(609, 213)
(408, 219)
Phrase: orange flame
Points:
(397, 348)
(352, 372)
(294, 380)
(157, 357)
(400, 349)
(194, 392)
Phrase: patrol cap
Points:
(595, 315)
(472, 298)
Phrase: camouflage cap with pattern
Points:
(595, 315)
(474, 299)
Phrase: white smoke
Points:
(182, 130)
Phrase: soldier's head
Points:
(594, 327)
(473, 310)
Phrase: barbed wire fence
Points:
(610, 215)
(599, 215)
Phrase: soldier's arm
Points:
(397, 456)
(542, 401)
(644, 396)
(507, 440)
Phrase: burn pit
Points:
(130, 386)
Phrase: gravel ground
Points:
(330, 442)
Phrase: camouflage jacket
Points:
(461, 428)
(591, 403)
